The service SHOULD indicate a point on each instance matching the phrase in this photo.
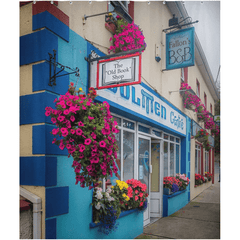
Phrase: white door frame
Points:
(145, 221)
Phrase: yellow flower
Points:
(110, 14)
(126, 197)
(80, 89)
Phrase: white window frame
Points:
(182, 75)
(175, 143)
(206, 161)
(198, 148)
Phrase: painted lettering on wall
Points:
(140, 100)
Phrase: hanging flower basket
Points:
(86, 129)
(128, 37)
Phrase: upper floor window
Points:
(205, 100)
(184, 75)
(211, 108)
(124, 4)
(198, 89)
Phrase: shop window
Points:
(177, 158)
(198, 89)
(177, 140)
(165, 147)
(143, 129)
(128, 124)
(171, 159)
(206, 161)
(165, 136)
(157, 133)
(118, 120)
(172, 138)
(197, 159)
(128, 155)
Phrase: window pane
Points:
(177, 159)
(196, 161)
(165, 146)
(111, 181)
(118, 120)
(165, 136)
(158, 134)
(199, 162)
(143, 129)
(143, 158)
(155, 157)
(128, 124)
(171, 159)
(177, 140)
(171, 138)
(128, 155)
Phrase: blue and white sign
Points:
(141, 101)
(180, 49)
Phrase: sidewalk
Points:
(199, 219)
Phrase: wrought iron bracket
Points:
(178, 26)
(52, 77)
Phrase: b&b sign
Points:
(180, 49)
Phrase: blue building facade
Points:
(143, 114)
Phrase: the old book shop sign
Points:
(180, 49)
(118, 71)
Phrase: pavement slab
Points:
(184, 228)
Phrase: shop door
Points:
(144, 170)
(155, 194)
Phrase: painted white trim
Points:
(37, 211)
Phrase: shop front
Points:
(153, 142)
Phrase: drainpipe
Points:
(37, 209)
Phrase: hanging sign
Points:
(116, 72)
(180, 49)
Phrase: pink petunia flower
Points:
(80, 124)
(102, 144)
(79, 132)
(87, 141)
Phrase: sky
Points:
(208, 31)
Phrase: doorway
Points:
(156, 181)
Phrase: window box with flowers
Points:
(118, 201)
(174, 184)
(190, 99)
(175, 195)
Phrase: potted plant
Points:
(128, 37)
(137, 194)
(202, 136)
(190, 99)
(184, 180)
(87, 130)
(110, 23)
(209, 176)
(106, 210)
(171, 185)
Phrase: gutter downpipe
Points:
(179, 5)
(37, 209)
